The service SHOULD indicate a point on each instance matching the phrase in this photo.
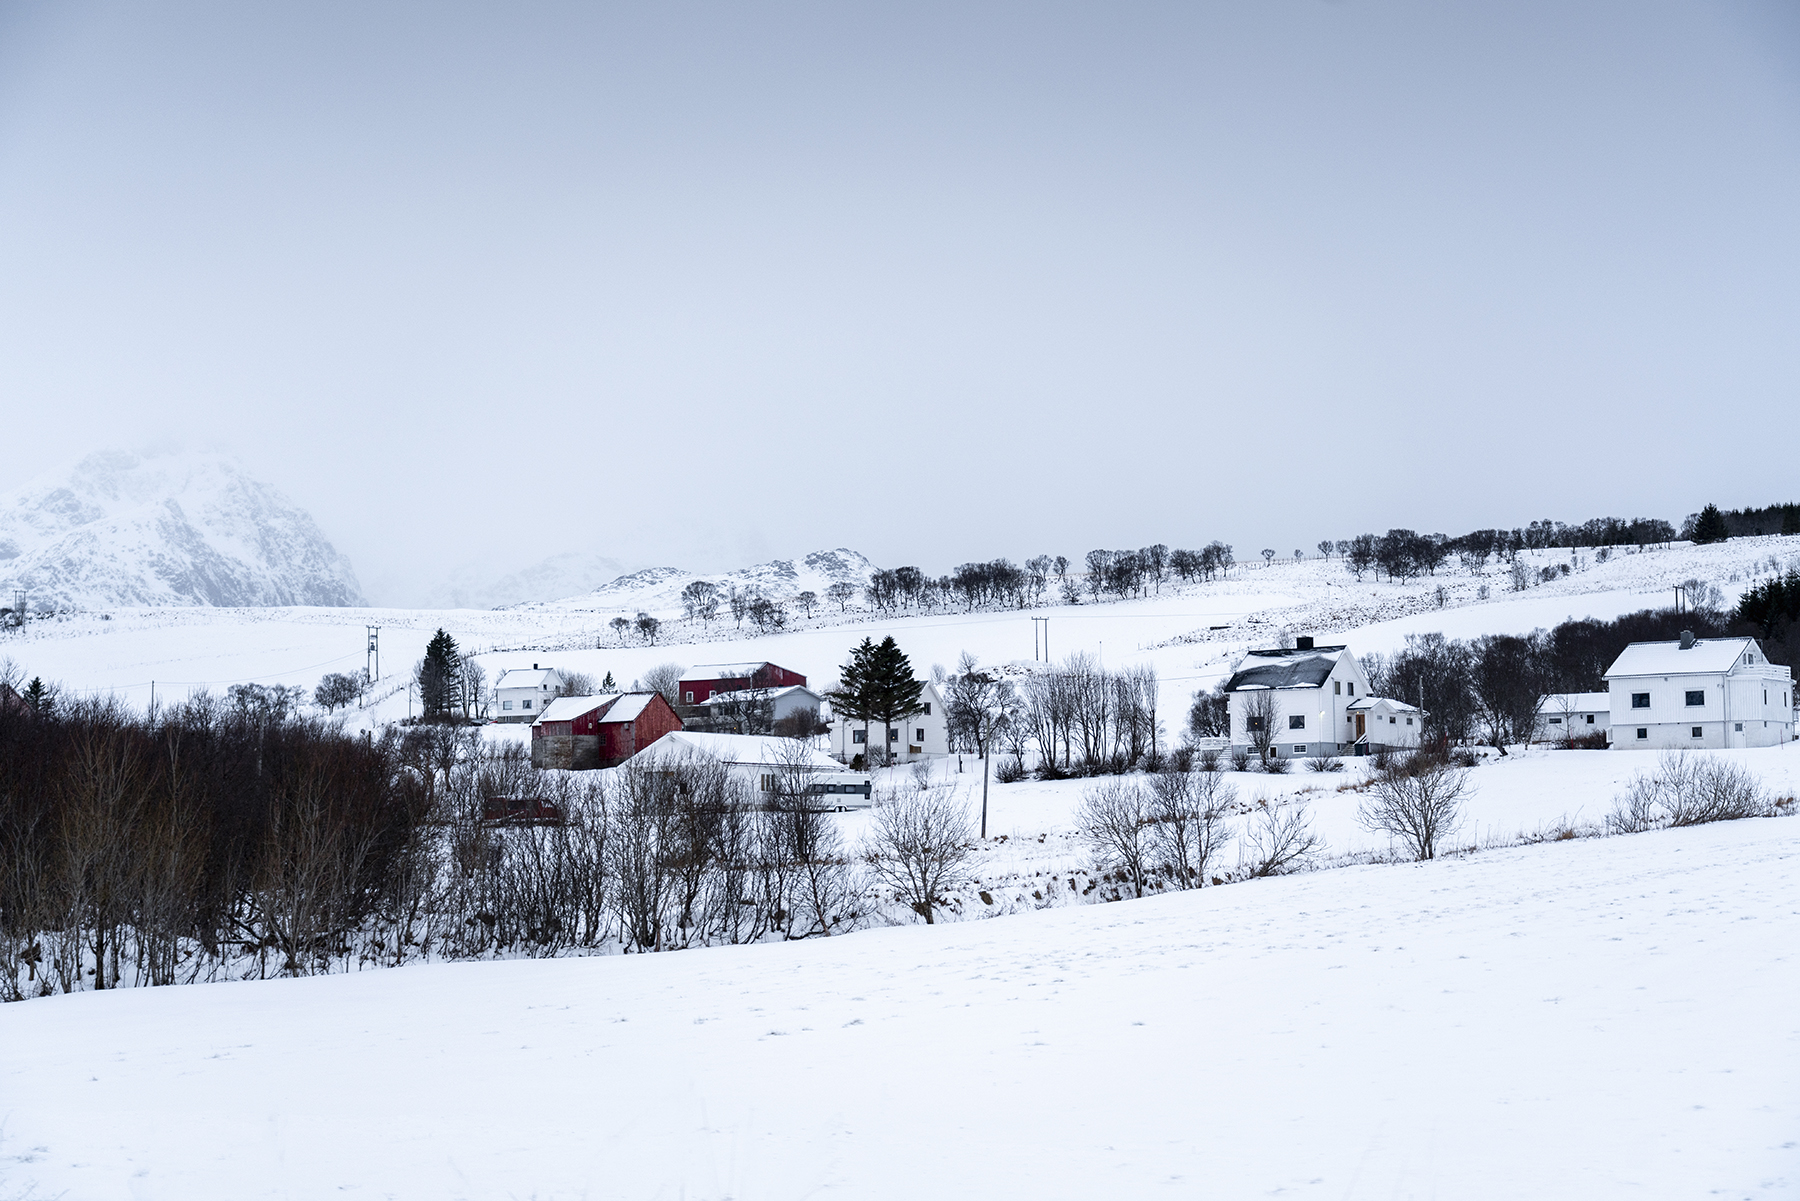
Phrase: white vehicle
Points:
(841, 790)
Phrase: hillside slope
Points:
(120, 529)
(1599, 1019)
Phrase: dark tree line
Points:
(1713, 524)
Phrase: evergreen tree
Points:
(39, 697)
(440, 676)
(1710, 526)
(1790, 519)
(852, 699)
(893, 692)
(608, 684)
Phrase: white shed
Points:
(1563, 716)
(1698, 692)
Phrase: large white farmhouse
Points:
(1314, 690)
(922, 736)
(1699, 692)
(520, 695)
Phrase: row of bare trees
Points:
(1084, 718)
(212, 841)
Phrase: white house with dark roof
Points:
(1699, 693)
(1314, 688)
(521, 695)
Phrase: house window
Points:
(1300, 749)
(1697, 732)
(1556, 721)
(927, 712)
(689, 694)
(859, 736)
(1297, 721)
(1640, 700)
(1337, 688)
(1740, 727)
(524, 704)
(919, 735)
(1393, 721)
(1353, 688)
(1590, 719)
(1643, 733)
(1696, 696)
(1253, 723)
(506, 704)
(1409, 721)
(893, 736)
(767, 783)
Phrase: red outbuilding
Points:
(701, 683)
(585, 732)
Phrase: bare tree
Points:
(1113, 817)
(648, 627)
(666, 679)
(1262, 709)
(920, 845)
(841, 594)
(1278, 839)
(980, 705)
(808, 601)
(620, 625)
(1418, 803)
(1189, 823)
(337, 690)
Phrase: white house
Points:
(1698, 692)
(1379, 722)
(1566, 715)
(783, 702)
(922, 736)
(1313, 690)
(520, 695)
(761, 761)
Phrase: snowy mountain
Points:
(182, 529)
(659, 588)
(560, 575)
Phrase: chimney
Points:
(1687, 640)
(534, 667)
(1303, 643)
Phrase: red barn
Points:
(585, 732)
(701, 683)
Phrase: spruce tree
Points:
(852, 699)
(440, 675)
(893, 693)
(39, 698)
(1710, 527)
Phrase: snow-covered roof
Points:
(527, 677)
(568, 708)
(625, 706)
(1668, 659)
(722, 671)
(1369, 702)
(1575, 702)
(742, 750)
(766, 694)
(1285, 669)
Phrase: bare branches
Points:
(1417, 803)
(921, 844)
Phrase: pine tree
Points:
(440, 677)
(852, 699)
(39, 697)
(1710, 527)
(608, 684)
(893, 693)
(1790, 519)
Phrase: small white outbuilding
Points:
(1700, 693)
(1564, 716)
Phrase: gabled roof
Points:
(527, 677)
(1707, 655)
(764, 694)
(722, 671)
(1285, 669)
(624, 706)
(740, 750)
(1369, 702)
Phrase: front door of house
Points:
(1359, 727)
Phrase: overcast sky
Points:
(705, 284)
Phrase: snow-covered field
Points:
(1592, 1019)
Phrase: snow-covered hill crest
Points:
(659, 588)
(188, 529)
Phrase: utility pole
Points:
(1035, 622)
(372, 661)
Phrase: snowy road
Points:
(1593, 1019)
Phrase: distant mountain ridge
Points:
(559, 575)
(182, 529)
(659, 588)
